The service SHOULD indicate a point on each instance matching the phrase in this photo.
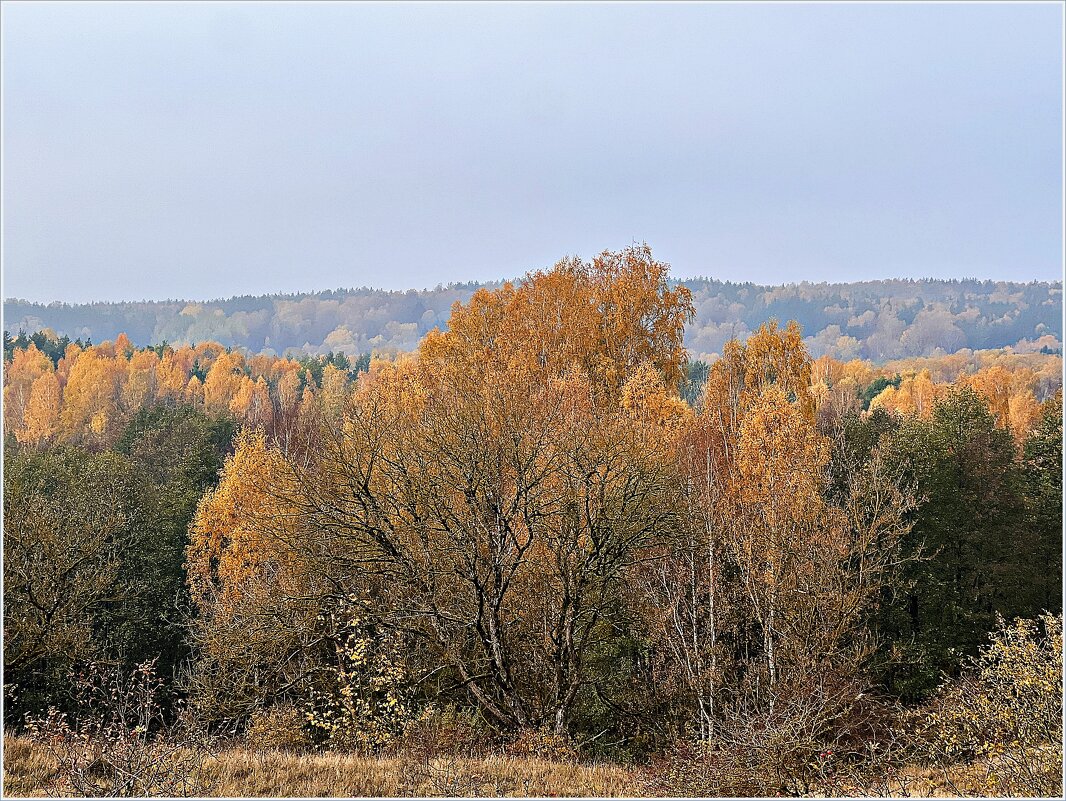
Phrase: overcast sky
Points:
(200, 150)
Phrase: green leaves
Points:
(975, 552)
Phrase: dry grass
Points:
(29, 771)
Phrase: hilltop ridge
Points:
(875, 320)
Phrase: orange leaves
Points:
(1010, 398)
(223, 382)
(604, 319)
(485, 483)
(242, 398)
(289, 391)
(334, 389)
(242, 529)
(1008, 393)
(142, 384)
(772, 357)
(194, 391)
(778, 357)
(640, 312)
(758, 470)
(1010, 382)
(123, 347)
(172, 373)
(19, 376)
(42, 412)
(780, 456)
(92, 393)
(914, 396)
(391, 388)
(774, 495)
(252, 403)
(835, 385)
(1024, 414)
(646, 398)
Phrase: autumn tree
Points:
(26, 367)
(768, 588)
(772, 361)
(777, 504)
(41, 416)
(91, 397)
(836, 387)
(142, 382)
(604, 318)
(239, 576)
(223, 382)
(482, 482)
(173, 373)
(493, 499)
(811, 566)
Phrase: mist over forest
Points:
(874, 320)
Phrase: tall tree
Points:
(975, 559)
(1042, 483)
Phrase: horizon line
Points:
(440, 287)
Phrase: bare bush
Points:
(447, 731)
(121, 742)
(544, 744)
(280, 728)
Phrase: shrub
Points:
(120, 743)
(1004, 716)
(544, 744)
(360, 699)
(281, 728)
(447, 731)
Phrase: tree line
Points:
(875, 320)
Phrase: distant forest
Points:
(874, 320)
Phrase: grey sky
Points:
(202, 150)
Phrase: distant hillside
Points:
(871, 319)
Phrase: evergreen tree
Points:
(974, 561)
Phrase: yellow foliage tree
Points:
(246, 568)
(780, 524)
(142, 382)
(222, 382)
(241, 529)
(915, 396)
(92, 394)
(173, 373)
(19, 376)
(193, 391)
(647, 399)
(42, 411)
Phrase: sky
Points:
(203, 150)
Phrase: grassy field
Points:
(29, 770)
